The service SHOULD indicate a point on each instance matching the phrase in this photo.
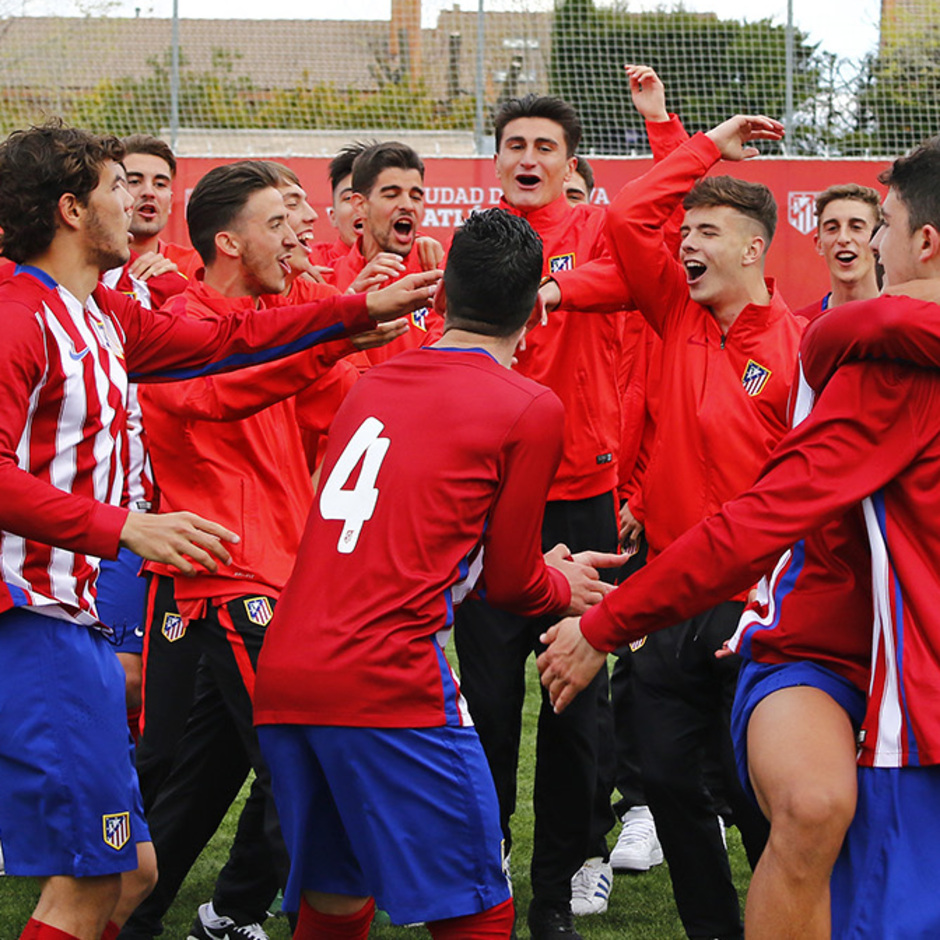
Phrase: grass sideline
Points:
(641, 906)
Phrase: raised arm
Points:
(862, 433)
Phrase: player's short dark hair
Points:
(284, 174)
(341, 165)
(871, 197)
(755, 200)
(147, 143)
(38, 166)
(541, 106)
(493, 271)
(916, 180)
(378, 157)
(584, 170)
(219, 197)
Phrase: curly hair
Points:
(38, 166)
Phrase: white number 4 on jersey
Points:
(355, 506)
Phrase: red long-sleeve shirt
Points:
(723, 397)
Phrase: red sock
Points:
(314, 925)
(133, 722)
(111, 931)
(34, 930)
(493, 924)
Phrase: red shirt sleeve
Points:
(32, 507)
(635, 229)
(515, 576)
(862, 433)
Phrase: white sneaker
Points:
(637, 847)
(590, 887)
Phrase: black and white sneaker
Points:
(210, 926)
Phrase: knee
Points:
(138, 884)
(816, 814)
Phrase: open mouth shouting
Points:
(694, 271)
(403, 230)
(846, 257)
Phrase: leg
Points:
(80, 906)
(170, 659)
(801, 755)
(136, 885)
(492, 647)
(334, 917)
(674, 722)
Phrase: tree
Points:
(712, 68)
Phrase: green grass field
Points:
(641, 906)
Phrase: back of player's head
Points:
(37, 167)
(219, 197)
(754, 200)
(867, 195)
(284, 174)
(916, 180)
(341, 165)
(378, 157)
(541, 106)
(493, 271)
(584, 170)
(146, 143)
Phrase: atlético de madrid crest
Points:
(116, 830)
(259, 610)
(755, 377)
(801, 211)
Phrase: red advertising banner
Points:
(456, 186)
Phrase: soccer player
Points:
(577, 356)
(796, 711)
(388, 197)
(342, 213)
(729, 350)
(580, 185)
(847, 217)
(381, 783)
(150, 166)
(71, 809)
(151, 278)
(233, 448)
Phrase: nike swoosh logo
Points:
(78, 356)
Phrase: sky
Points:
(849, 28)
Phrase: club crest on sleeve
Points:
(755, 377)
(637, 644)
(561, 263)
(419, 318)
(174, 627)
(116, 829)
(259, 610)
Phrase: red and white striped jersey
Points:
(140, 491)
(63, 404)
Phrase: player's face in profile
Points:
(843, 238)
(392, 210)
(266, 241)
(715, 243)
(343, 214)
(894, 243)
(300, 217)
(532, 163)
(107, 217)
(150, 183)
(576, 190)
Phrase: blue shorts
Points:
(408, 816)
(884, 884)
(758, 680)
(69, 799)
(122, 600)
